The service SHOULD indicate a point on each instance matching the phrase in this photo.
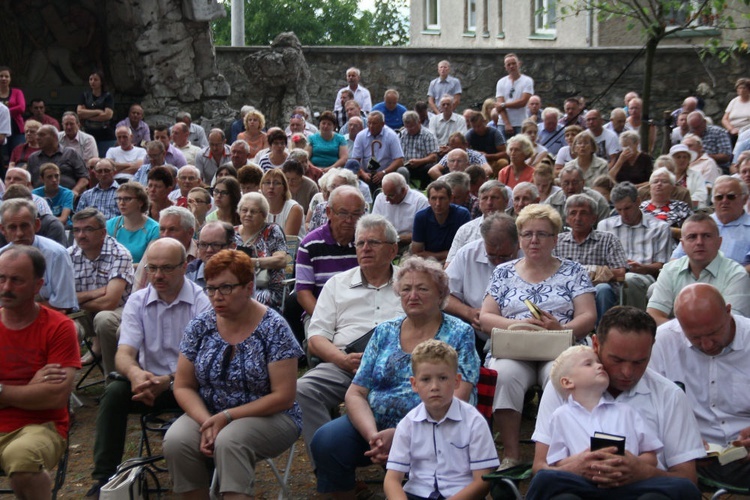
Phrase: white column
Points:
(238, 23)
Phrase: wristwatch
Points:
(171, 382)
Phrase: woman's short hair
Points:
(524, 143)
(255, 114)
(432, 268)
(349, 177)
(292, 166)
(250, 174)
(536, 211)
(31, 123)
(299, 155)
(329, 117)
(662, 171)
(234, 261)
(585, 136)
(629, 137)
(574, 129)
(257, 199)
(604, 182)
(741, 82)
(529, 124)
(137, 191)
(276, 135)
(665, 161)
(277, 174)
(163, 174)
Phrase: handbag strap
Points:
(526, 326)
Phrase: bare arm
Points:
(343, 156)
(186, 391)
(659, 316)
(294, 221)
(418, 249)
(393, 480)
(106, 301)
(477, 488)
(64, 214)
(324, 349)
(276, 260)
(39, 396)
(307, 300)
(463, 311)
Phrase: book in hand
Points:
(535, 311)
(603, 440)
(726, 454)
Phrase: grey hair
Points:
(347, 175)
(660, 171)
(493, 184)
(253, 197)
(396, 179)
(630, 136)
(527, 186)
(665, 161)
(694, 137)
(458, 179)
(375, 221)
(570, 169)
(26, 173)
(299, 155)
(187, 219)
(506, 223)
(377, 114)
(550, 110)
(624, 190)
(410, 117)
(432, 268)
(343, 191)
(181, 115)
(73, 114)
(729, 178)
(242, 143)
(13, 206)
(88, 213)
(579, 200)
(246, 109)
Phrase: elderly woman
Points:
(560, 288)
(277, 154)
(327, 149)
(226, 197)
(632, 165)
(266, 244)
(661, 205)
(20, 155)
(283, 210)
(688, 177)
(520, 149)
(331, 180)
(737, 114)
(544, 180)
(380, 394)
(530, 129)
(96, 109)
(160, 184)
(302, 188)
(133, 228)
(253, 135)
(236, 380)
(249, 178)
(591, 165)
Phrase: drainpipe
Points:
(238, 23)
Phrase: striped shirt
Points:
(319, 257)
(419, 145)
(101, 199)
(647, 242)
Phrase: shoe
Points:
(89, 358)
(94, 490)
(508, 463)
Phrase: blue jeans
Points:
(338, 449)
(606, 298)
(558, 484)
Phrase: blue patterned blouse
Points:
(386, 368)
(226, 382)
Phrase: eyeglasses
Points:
(220, 192)
(166, 269)
(371, 243)
(214, 246)
(348, 215)
(728, 196)
(248, 211)
(222, 289)
(124, 199)
(540, 235)
(86, 230)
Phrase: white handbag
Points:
(527, 342)
(128, 484)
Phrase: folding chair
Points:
(85, 326)
(60, 473)
(292, 244)
(504, 483)
(720, 489)
(283, 480)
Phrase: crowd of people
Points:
(380, 248)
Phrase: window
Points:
(432, 14)
(544, 17)
(471, 15)
(680, 15)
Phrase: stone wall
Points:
(557, 74)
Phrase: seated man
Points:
(214, 237)
(73, 137)
(73, 172)
(102, 196)
(435, 227)
(601, 253)
(155, 157)
(172, 155)
(40, 358)
(470, 269)
(460, 184)
(444, 124)
(623, 343)
(487, 140)
(52, 194)
(153, 321)
(126, 157)
(103, 280)
(702, 264)
(399, 205)
(524, 194)
(420, 148)
(17, 175)
(49, 226)
(188, 177)
(181, 140)
(343, 314)
(712, 364)
(572, 182)
(388, 155)
(138, 128)
(391, 109)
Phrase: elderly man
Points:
(534, 109)
(572, 182)
(513, 93)
(329, 249)
(73, 172)
(126, 157)
(716, 140)
(388, 155)
(443, 85)
(361, 94)
(446, 122)
(623, 343)
(705, 349)
(344, 315)
(399, 205)
(647, 242)
(102, 196)
(49, 225)
(188, 177)
(172, 155)
(40, 359)
(607, 143)
(470, 268)
(730, 196)
(600, 252)
(181, 141)
(73, 137)
(455, 161)
(689, 105)
(239, 154)
(214, 237)
(19, 224)
(103, 279)
(392, 110)
(420, 148)
(156, 157)
(618, 122)
(39, 113)
(153, 321)
(298, 124)
(197, 134)
(702, 163)
(551, 134)
(702, 264)
(216, 154)
(573, 113)
(524, 194)
(460, 184)
(436, 226)
(487, 140)
(17, 175)
(354, 126)
(140, 132)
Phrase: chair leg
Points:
(284, 492)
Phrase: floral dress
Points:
(270, 239)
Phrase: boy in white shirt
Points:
(444, 443)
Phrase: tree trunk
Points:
(651, 45)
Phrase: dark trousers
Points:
(112, 424)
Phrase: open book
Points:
(726, 454)
(603, 440)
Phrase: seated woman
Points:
(283, 210)
(632, 165)
(560, 288)
(266, 245)
(236, 380)
(544, 180)
(327, 149)
(277, 153)
(688, 177)
(737, 114)
(530, 129)
(249, 178)
(253, 135)
(586, 159)
(302, 188)
(226, 197)
(133, 228)
(226, 170)
(661, 204)
(20, 155)
(160, 184)
(380, 394)
(520, 150)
